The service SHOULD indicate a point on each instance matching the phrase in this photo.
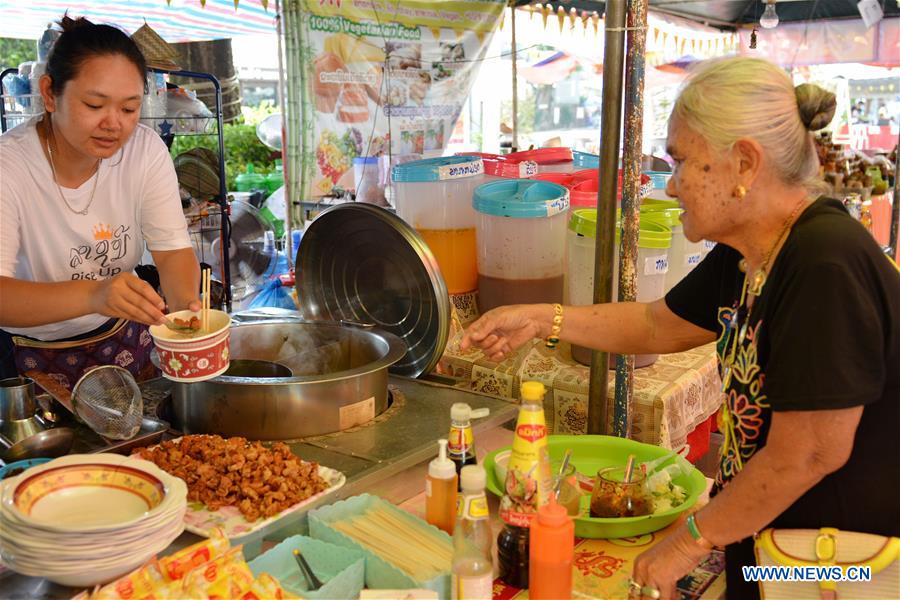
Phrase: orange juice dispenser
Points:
(521, 229)
(435, 197)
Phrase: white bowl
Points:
(91, 493)
(81, 547)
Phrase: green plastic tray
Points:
(593, 452)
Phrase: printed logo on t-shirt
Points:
(98, 259)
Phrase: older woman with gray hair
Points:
(805, 308)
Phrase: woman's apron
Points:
(126, 344)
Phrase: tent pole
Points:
(631, 200)
(515, 80)
(610, 122)
(895, 211)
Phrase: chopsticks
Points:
(204, 286)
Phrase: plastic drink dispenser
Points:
(521, 233)
(652, 265)
(684, 255)
(549, 160)
(499, 166)
(435, 197)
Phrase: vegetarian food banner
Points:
(387, 78)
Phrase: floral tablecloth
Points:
(671, 397)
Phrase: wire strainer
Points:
(108, 400)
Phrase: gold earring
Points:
(739, 192)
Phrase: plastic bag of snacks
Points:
(224, 577)
(266, 587)
(208, 570)
(176, 566)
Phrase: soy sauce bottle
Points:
(461, 442)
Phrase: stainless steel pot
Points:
(18, 409)
(337, 379)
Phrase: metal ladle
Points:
(51, 443)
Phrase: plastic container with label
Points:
(549, 160)
(435, 197)
(521, 233)
(585, 160)
(654, 240)
(499, 166)
(684, 255)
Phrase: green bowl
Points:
(591, 453)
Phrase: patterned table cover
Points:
(671, 397)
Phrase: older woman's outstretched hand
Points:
(501, 330)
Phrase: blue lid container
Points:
(438, 169)
(659, 179)
(585, 160)
(521, 198)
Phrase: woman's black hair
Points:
(82, 40)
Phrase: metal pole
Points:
(515, 80)
(631, 200)
(610, 122)
(895, 211)
(288, 217)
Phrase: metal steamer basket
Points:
(372, 300)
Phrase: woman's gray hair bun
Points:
(816, 105)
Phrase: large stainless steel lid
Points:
(361, 263)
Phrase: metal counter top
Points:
(400, 441)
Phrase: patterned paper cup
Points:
(190, 357)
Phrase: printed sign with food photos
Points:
(388, 78)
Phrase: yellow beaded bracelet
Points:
(553, 339)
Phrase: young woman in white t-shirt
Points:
(84, 188)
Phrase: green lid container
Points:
(651, 233)
(250, 180)
(665, 212)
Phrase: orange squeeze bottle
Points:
(551, 552)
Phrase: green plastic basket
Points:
(343, 570)
(591, 453)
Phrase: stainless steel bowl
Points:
(338, 379)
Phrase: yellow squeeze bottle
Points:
(440, 491)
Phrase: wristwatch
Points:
(695, 533)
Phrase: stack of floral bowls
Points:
(87, 519)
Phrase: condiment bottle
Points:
(461, 442)
(551, 553)
(865, 215)
(528, 485)
(440, 491)
(472, 571)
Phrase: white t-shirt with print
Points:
(136, 202)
